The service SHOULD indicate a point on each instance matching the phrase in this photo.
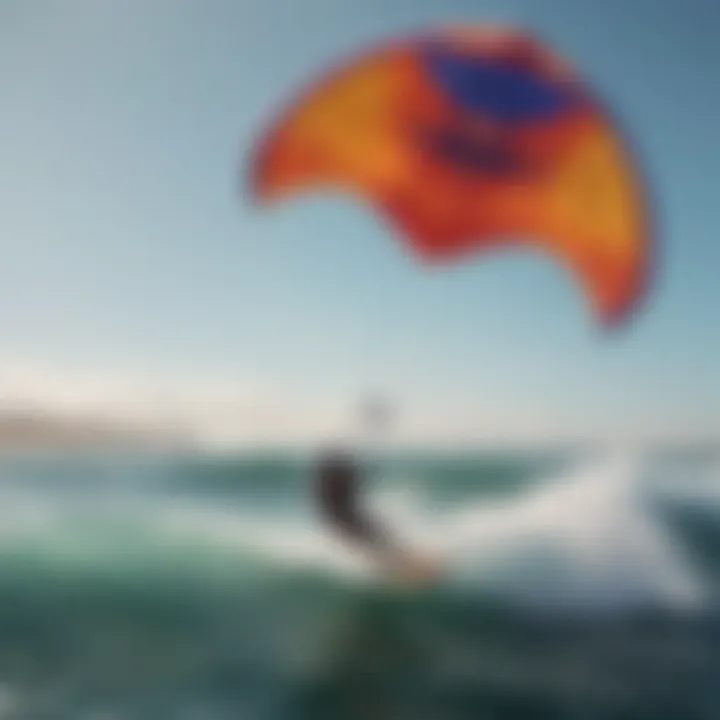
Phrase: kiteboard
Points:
(412, 571)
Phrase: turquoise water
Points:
(205, 587)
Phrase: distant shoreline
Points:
(34, 431)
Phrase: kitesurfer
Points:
(338, 491)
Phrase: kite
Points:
(471, 140)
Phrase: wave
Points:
(588, 538)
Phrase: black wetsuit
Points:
(338, 483)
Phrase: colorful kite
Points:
(469, 140)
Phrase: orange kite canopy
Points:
(469, 140)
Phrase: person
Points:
(339, 478)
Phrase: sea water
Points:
(575, 586)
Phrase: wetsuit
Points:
(338, 490)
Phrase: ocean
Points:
(196, 586)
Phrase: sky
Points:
(136, 272)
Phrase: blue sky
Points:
(125, 243)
